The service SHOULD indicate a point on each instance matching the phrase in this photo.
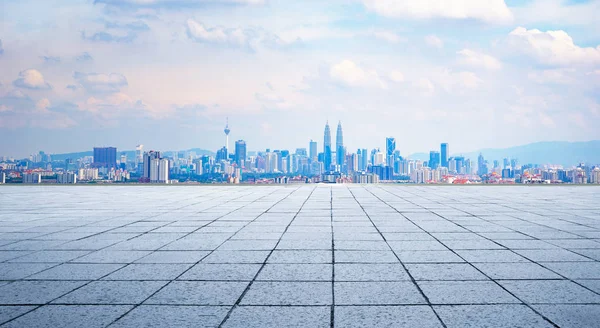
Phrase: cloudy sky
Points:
(166, 73)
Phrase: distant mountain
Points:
(550, 152)
(130, 153)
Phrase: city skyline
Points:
(166, 75)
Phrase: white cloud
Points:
(494, 11)
(552, 47)
(175, 3)
(235, 37)
(350, 74)
(396, 76)
(388, 36)
(95, 82)
(553, 76)
(434, 41)
(480, 60)
(42, 104)
(199, 32)
(31, 79)
(425, 85)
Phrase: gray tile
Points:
(370, 272)
(516, 271)
(591, 284)
(429, 257)
(50, 256)
(79, 271)
(173, 316)
(199, 293)
(377, 293)
(148, 272)
(465, 292)
(295, 272)
(498, 316)
(71, 316)
(300, 256)
(365, 257)
(10, 312)
(571, 316)
(35, 292)
(288, 293)
(385, 316)
(174, 257)
(491, 256)
(550, 291)
(279, 316)
(112, 292)
(216, 271)
(106, 256)
(236, 257)
(576, 270)
(444, 271)
(416, 245)
(14, 271)
(551, 255)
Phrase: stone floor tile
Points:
(385, 316)
(497, 316)
(279, 316)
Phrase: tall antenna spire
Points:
(227, 130)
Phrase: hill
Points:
(550, 152)
(130, 153)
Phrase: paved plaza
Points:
(299, 255)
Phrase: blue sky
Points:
(166, 73)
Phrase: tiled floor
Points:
(300, 255)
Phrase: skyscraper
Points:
(105, 157)
(434, 159)
(482, 168)
(445, 151)
(227, 130)
(156, 169)
(240, 153)
(313, 150)
(139, 154)
(222, 154)
(327, 148)
(390, 147)
(340, 151)
(365, 159)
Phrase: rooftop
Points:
(305, 255)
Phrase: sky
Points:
(76, 74)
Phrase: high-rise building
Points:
(482, 168)
(313, 150)
(379, 159)
(365, 160)
(340, 151)
(327, 148)
(148, 157)
(390, 148)
(240, 153)
(163, 170)
(434, 159)
(222, 154)
(66, 178)
(445, 153)
(32, 178)
(105, 157)
(384, 172)
(139, 154)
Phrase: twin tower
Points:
(340, 151)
